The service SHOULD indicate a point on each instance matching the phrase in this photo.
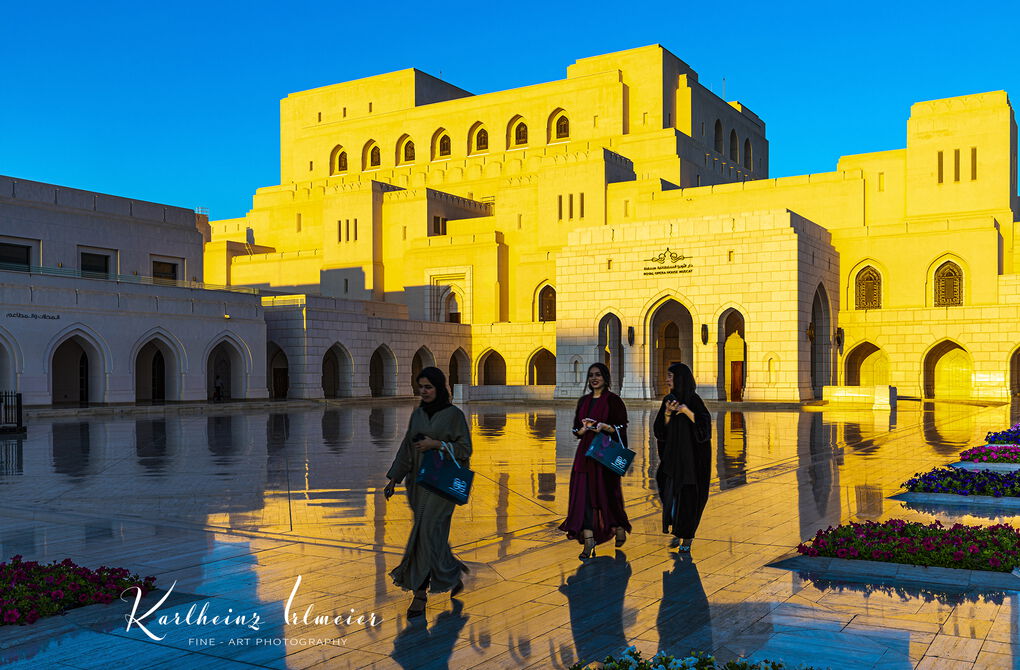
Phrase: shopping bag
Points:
(609, 451)
(441, 474)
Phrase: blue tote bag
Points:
(610, 452)
(444, 476)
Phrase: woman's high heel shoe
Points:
(589, 546)
(621, 536)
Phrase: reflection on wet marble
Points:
(231, 508)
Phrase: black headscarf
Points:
(438, 379)
(684, 385)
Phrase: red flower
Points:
(957, 555)
(10, 616)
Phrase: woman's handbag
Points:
(610, 452)
(444, 476)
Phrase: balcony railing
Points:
(125, 279)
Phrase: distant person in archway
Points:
(683, 433)
(595, 512)
(429, 563)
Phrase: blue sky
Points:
(179, 102)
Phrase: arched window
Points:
(718, 137)
(521, 134)
(338, 160)
(948, 285)
(562, 128)
(868, 289)
(734, 146)
(547, 304)
(409, 152)
(482, 140)
(374, 157)
(451, 310)
(444, 145)
(747, 154)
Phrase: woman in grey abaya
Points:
(428, 562)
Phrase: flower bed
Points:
(962, 482)
(1008, 436)
(992, 453)
(31, 590)
(631, 660)
(995, 548)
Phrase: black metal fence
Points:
(11, 416)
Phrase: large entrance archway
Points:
(382, 372)
(155, 372)
(1014, 373)
(672, 341)
(492, 369)
(542, 368)
(610, 351)
(867, 365)
(278, 371)
(337, 373)
(460, 368)
(422, 359)
(76, 372)
(820, 336)
(224, 372)
(732, 356)
(8, 374)
(948, 372)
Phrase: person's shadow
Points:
(595, 595)
(684, 621)
(418, 646)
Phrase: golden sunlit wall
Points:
(404, 188)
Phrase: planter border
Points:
(958, 500)
(978, 466)
(900, 574)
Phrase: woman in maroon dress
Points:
(595, 513)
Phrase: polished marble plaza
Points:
(231, 508)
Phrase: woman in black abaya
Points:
(683, 433)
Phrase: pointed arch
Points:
(948, 371)
(423, 358)
(440, 144)
(79, 361)
(868, 288)
(557, 126)
(718, 145)
(11, 361)
(820, 337)
(478, 139)
(158, 377)
(337, 372)
(371, 156)
(405, 153)
(669, 337)
(866, 365)
(731, 346)
(544, 302)
(516, 132)
(338, 160)
(610, 346)
(228, 366)
(491, 368)
(382, 372)
(748, 160)
(948, 284)
(541, 368)
(734, 146)
(460, 368)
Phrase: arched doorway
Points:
(610, 351)
(8, 375)
(155, 380)
(732, 356)
(224, 372)
(337, 373)
(672, 341)
(867, 365)
(819, 335)
(542, 369)
(278, 371)
(948, 372)
(422, 359)
(460, 369)
(492, 369)
(76, 372)
(382, 372)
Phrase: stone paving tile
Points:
(240, 504)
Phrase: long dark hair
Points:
(605, 375)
